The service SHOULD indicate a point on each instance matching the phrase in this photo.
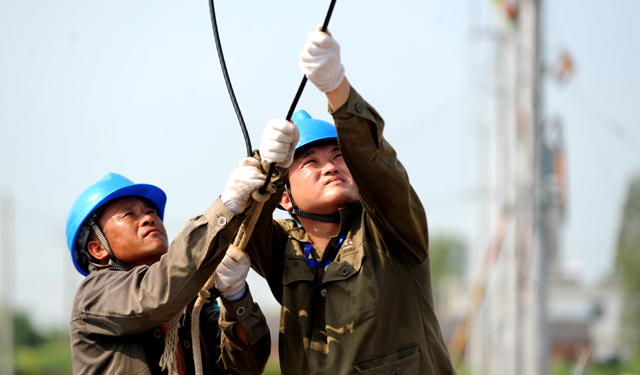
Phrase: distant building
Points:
(584, 319)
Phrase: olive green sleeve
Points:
(235, 357)
(117, 303)
(381, 181)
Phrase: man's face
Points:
(134, 231)
(320, 181)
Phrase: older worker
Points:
(136, 282)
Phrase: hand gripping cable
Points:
(168, 359)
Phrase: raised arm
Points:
(381, 181)
(113, 302)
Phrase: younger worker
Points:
(353, 274)
(137, 283)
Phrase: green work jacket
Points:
(119, 318)
(371, 310)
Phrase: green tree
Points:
(24, 334)
(628, 264)
(37, 352)
(448, 253)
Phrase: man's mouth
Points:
(334, 179)
(150, 231)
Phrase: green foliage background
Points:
(628, 266)
(39, 353)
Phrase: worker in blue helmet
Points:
(84, 214)
(351, 270)
(316, 132)
(137, 282)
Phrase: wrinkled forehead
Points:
(122, 203)
(315, 147)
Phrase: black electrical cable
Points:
(227, 80)
(236, 107)
(272, 167)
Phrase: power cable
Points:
(272, 167)
(616, 129)
(227, 80)
(234, 101)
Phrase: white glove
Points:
(232, 273)
(244, 180)
(278, 144)
(320, 61)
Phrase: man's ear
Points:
(97, 251)
(285, 201)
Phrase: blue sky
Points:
(90, 87)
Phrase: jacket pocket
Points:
(402, 361)
(296, 269)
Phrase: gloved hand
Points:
(278, 144)
(320, 61)
(246, 178)
(232, 273)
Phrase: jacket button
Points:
(222, 221)
(240, 310)
(323, 292)
(395, 372)
(358, 107)
(157, 334)
(186, 344)
(344, 271)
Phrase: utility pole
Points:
(527, 265)
(509, 335)
(6, 283)
(534, 233)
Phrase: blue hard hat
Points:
(312, 130)
(110, 187)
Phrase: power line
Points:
(616, 129)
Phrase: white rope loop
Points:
(168, 359)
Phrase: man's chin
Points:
(336, 202)
(157, 239)
(345, 197)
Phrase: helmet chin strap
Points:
(113, 262)
(333, 218)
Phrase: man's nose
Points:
(147, 220)
(329, 168)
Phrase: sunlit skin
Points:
(320, 181)
(134, 231)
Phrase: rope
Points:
(168, 358)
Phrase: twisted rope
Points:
(168, 358)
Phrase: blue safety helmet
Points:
(111, 186)
(312, 130)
